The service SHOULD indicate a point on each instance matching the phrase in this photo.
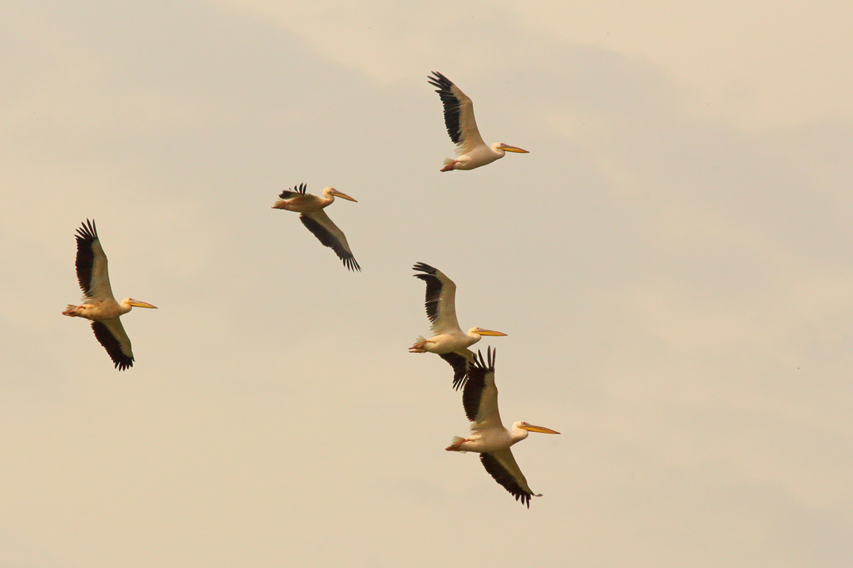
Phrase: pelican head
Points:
(532, 428)
(331, 192)
(508, 148)
(481, 331)
(137, 303)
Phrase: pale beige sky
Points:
(761, 64)
(671, 262)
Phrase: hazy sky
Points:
(672, 263)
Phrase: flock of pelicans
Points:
(474, 374)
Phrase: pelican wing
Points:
(459, 361)
(480, 396)
(111, 335)
(440, 299)
(502, 466)
(328, 233)
(92, 263)
(295, 192)
(458, 114)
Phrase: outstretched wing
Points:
(440, 299)
(458, 114)
(502, 466)
(111, 335)
(328, 233)
(92, 263)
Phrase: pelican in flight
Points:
(448, 341)
(310, 207)
(471, 151)
(99, 305)
(488, 436)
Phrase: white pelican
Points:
(315, 219)
(472, 152)
(99, 305)
(488, 436)
(448, 341)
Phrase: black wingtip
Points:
(87, 232)
(85, 236)
(328, 240)
(450, 104)
(301, 188)
(460, 368)
(439, 81)
(433, 288)
(112, 346)
(503, 478)
(486, 364)
(423, 267)
(123, 365)
(352, 264)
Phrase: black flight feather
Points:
(433, 289)
(330, 241)
(297, 190)
(86, 236)
(112, 345)
(476, 382)
(460, 368)
(502, 476)
(451, 105)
